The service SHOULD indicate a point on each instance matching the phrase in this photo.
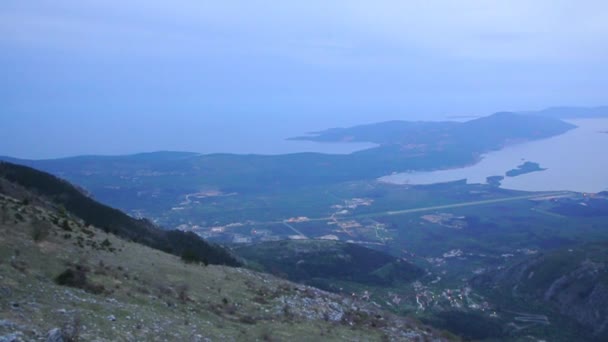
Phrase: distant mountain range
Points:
(572, 112)
(490, 132)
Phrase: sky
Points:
(117, 77)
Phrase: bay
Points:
(576, 161)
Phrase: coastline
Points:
(581, 155)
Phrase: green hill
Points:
(29, 184)
(482, 134)
(322, 262)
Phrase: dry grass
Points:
(152, 295)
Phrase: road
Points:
(293, 229)
(466, 204)
(437, 207)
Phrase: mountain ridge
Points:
(35, 183)
(502, 124)
(572, 282)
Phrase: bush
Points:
(40, 230)
(65, 225)
(190, 257)
(182, 293)
(73, 277)
(76, 276)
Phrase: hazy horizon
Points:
(109, 77)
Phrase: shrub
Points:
(62, 211)
(76, 276)
(19, 217)
(73, 277)
(182, 293)
(106, 243)
(65, 225)
(190, 257)
(248, 319)
(40, 230)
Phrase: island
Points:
(494, 180)
(527, 167)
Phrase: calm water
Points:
(252, 137)
(576, 161)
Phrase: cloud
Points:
(317, 31)
(204, 61)
(518, 29)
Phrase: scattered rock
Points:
(5, 323)
(54, 335)
(5, 291)
(13, 337)
(200, 338)
(112, 318)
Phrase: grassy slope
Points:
(155, 296)
(21, 181)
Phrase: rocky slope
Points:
(571, 282)
(63, 280)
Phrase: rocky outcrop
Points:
(55, 335)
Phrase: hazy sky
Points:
(89, 76)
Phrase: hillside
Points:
(321, 262)
(28, 184)
(76, 282)
(484, 133)
(570, 282)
